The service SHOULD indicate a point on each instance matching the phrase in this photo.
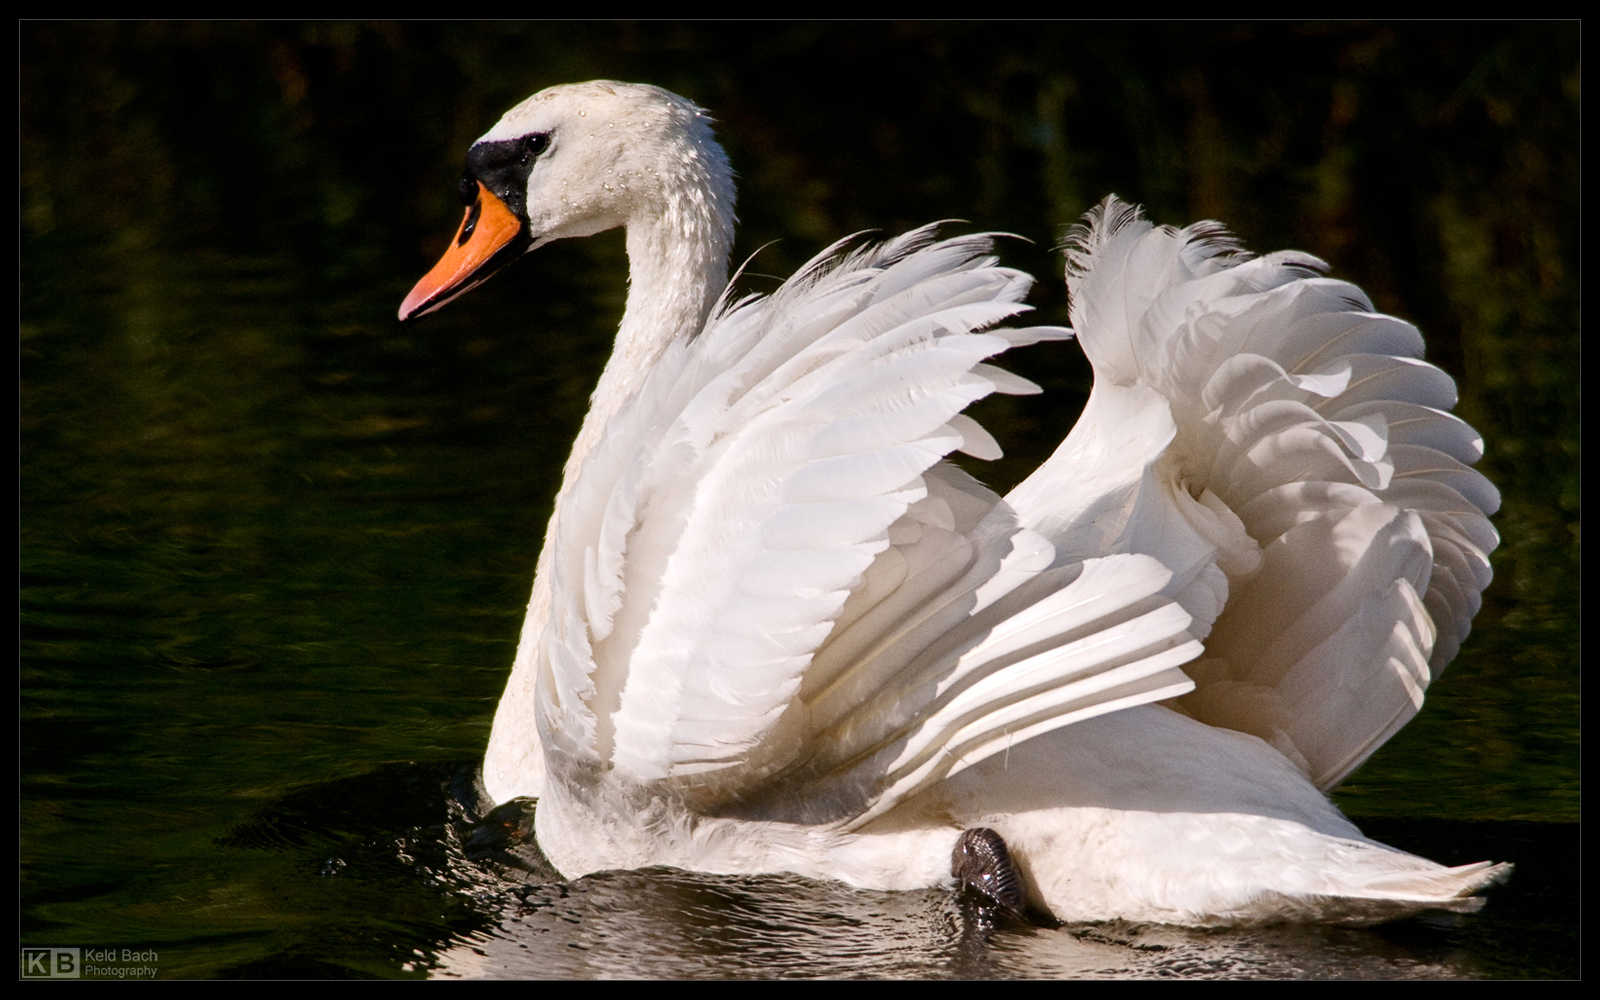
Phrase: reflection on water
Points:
(656, 924)
(274, 546)
(661, 924)
(507, 914)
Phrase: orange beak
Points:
(487, 240)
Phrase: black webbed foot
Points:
(981, 862)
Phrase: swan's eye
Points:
(533, 145)
(467, 190)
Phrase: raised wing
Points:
(1309, 489)
(770, 593)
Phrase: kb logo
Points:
(51, 963)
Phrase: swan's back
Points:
(786, 634)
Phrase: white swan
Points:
(771, 630)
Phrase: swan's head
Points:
(577, 160)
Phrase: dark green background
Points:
(271, 541)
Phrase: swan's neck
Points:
(679, 237)
(677, 269)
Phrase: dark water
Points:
(274, 547)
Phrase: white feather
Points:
(772, 630)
